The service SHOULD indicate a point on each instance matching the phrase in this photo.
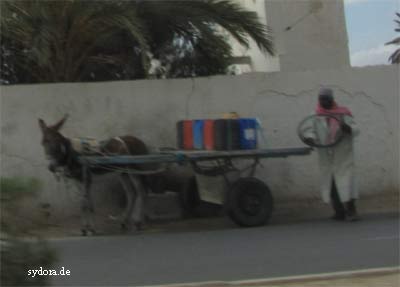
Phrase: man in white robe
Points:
(336, 162)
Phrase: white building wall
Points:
(150, 109)
(317, 38)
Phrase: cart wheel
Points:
(250, 202)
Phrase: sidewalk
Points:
(385, 277)
(380, 277)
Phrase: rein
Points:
(70, 166)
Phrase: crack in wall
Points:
(266, 92)
(369, 99)
(352, 95)
(188, 97)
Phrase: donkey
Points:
(63, 158)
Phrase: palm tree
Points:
(395, 57)
(76, 40)
(64, 40)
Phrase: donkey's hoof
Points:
(139, 226)
(125, 227)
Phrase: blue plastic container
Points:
(248, 133)
(198, 127)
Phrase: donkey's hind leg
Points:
(139, 206)
(134, 191)
(128, 189)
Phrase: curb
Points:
(291, 279)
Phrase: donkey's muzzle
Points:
(52, 167)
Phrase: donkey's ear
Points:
(59, 125)
(42, 125)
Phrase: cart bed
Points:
(190, 156)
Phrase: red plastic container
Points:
(208, 136)
(188, 134)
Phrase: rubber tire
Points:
(301, 137)
(190, 198)
(238, 197)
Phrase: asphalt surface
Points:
(311, 247)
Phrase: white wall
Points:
(150, 109)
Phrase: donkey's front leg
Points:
(87, 206)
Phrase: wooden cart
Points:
(247, 200)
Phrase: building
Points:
(308, 34)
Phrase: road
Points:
(310, 247)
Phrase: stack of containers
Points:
(220, 134)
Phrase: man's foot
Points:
(338, 217)
(352, 217)
(139, 225)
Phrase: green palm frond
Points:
(77, 40)
(240, 23)
(60, 36)
(395, 57)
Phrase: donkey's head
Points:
(54, 143)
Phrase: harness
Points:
(123, 144)
(72, 148)
(67, 163)
(86, 146)
(69, 166)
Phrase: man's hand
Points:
(346, 128)
(309, 141)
